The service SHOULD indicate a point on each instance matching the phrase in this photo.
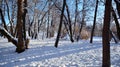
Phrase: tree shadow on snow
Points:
(9, 58)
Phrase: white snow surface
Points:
(42, 53)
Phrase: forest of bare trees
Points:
(22, 20)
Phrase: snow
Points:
(1, 28)
(42, 53)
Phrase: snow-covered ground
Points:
(42, 53)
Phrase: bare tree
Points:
(118, 6)
(9, 18)
(83, 15)
(48, 23)
(116, 22)
(94, 22)
(106, 32)
(3, 20)
(21, 41)
(24, 18)
(76, 14)
(69, 22)
(60, 25)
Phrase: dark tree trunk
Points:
(24, 16)
(48, 27)
(3, 20)
(60, 26)
(106, 32)
(118, 6)
(117, 23)
(21, 43)
(69, 21)
(83, 19)
(76, 14)
(48, 23)
(24, 24)
(4, 32)
(10, 20)
(67, 26)
(112, 36)
(94, 22)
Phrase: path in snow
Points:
(43, 53)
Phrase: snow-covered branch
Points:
(8, 36)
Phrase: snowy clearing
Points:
(42, 53)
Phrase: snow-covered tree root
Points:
(14, 40)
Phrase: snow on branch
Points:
(8, 36)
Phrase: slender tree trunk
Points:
(4, 32)
(24, 24)
(118, 6)
(24, 16)
(112, 36)
(48, 25)
(76, 14)
(65, 24)
(70, 25)
(83, 18)
(94, 22)
(60, 25)
(3, 20)
(10, 20)
(106, 32)
(117, 23)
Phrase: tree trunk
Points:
(83, 19)
(48, 23)
(10, 38)
(24, 24)
(117, 23)
(10, 20)
(60, 26)
(76, 14)
(24, 16)
(118, 6)
(3, 20)
(106, 32)
(112, 36)
(21, 43)
(69, 21)
(94, 22)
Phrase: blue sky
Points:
(72, 11)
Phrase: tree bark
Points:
(118, 6)
(94, 22)
(60, 26)
(106, 32)
(116, 22)
(3, 20)
(76, 14)
(24, 16)
(10, 20)
(83, 18)
(69, 21)
(21, 43)
(112, 36)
